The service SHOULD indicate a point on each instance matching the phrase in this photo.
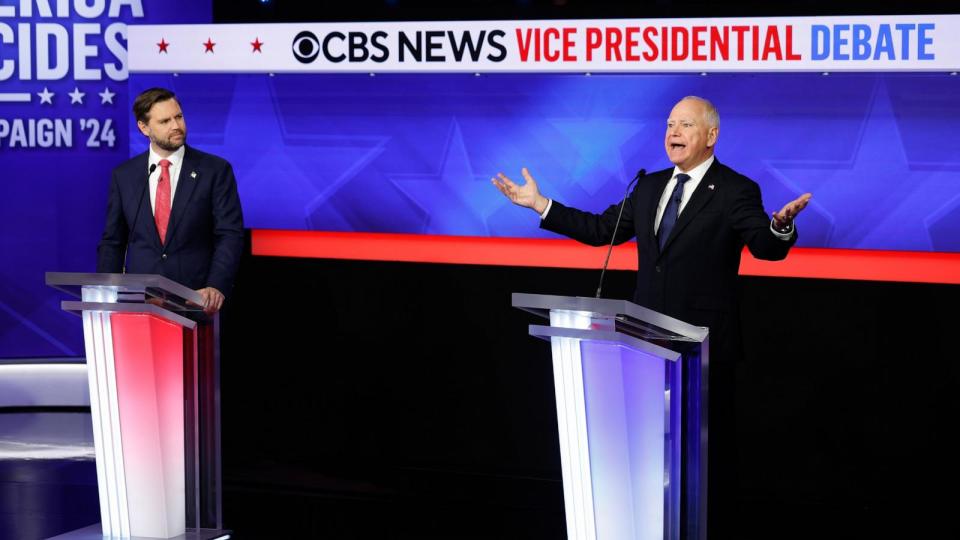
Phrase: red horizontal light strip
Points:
(558, 253)
(865, 265)
(908, 266)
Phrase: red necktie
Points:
(161, 210)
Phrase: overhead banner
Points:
(868, 43)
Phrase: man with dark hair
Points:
(173, 210)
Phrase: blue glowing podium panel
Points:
(631, 392)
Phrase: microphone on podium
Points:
(640, 174)
(136, 214)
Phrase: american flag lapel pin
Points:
(193, 174)
(711, 187)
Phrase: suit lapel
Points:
(186, 183)
(701, 196)
(145, 212)
(152, 232)
(658, 188)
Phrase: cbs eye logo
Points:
(339, 47)
(306, 47)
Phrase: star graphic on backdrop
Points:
(76, 96)
(208, 46)
(46, 96)
(292, 170)
(596, 142)
(162, 46)
(106, 96)
(874, 201)
(457, 200)
(256, 45)
(29, 319)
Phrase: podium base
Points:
(94, 532)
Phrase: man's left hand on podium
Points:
(212, 300)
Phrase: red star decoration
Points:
(209, 45)
(256, 45)
(163, 46)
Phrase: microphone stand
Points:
(640, 174)
(135, 216)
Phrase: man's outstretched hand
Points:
(528, 195)
(785, 216)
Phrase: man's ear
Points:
(143, 128)
(712, 136)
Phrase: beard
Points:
(168, 144)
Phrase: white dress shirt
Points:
(696, 175)
(176, 162)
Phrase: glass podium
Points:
(153, 371)
(631, 391)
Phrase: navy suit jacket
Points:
(204, 236)
(694, 278)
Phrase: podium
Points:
(631, 390)
(153, 372)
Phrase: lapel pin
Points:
(711, 187)
(194, 175)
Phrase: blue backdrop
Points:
(53, 198)
(413, 153)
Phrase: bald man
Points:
(691, 223)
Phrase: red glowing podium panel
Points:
(153, 374)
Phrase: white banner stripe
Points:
(868, 43)
(15, 97)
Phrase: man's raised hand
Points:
(528, 195)
(786, 214)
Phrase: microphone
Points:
(640, 174)
(136, 214)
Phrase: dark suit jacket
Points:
(695, 277)
(205, 233)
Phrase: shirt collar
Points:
(174, 158)
(697, 173)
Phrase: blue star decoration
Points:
(454, 200)
(457, 201)
(290, 174)
(593, 123)
(875, 200)
(944, 224)
(591, 149)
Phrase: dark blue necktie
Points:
(672, 210)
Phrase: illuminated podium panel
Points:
(153, 374)
(631, 392)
